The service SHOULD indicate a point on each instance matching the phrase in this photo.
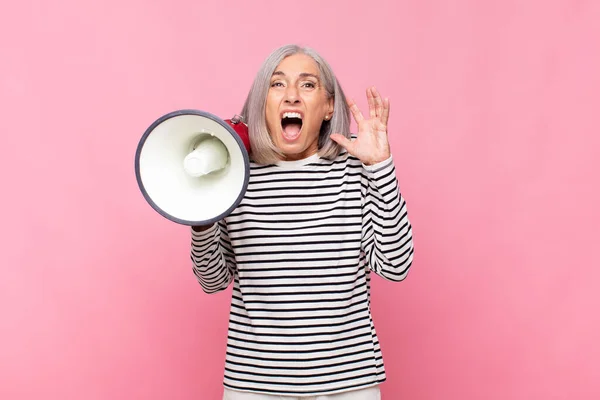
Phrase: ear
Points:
(329, 112)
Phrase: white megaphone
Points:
(193, 167)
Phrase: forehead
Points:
(297, 64)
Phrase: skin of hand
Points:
(371, 145)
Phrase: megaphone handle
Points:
(236, 119)
(240, 127)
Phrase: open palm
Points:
(371, 145)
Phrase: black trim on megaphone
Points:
(224, 125)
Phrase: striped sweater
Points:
(300, 249)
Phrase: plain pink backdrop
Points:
(495, 129)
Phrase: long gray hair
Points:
(263, 151)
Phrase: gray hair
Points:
(263, 151)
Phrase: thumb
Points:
(343, 141)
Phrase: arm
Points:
(386, 230)
(212, 257)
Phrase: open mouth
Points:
(291, 125)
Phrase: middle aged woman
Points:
(321, 213)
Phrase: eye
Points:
(276, 84)
(309, 85)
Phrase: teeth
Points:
(292, 115)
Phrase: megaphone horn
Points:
(193, 167)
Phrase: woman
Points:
(321, 212)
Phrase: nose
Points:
(291, 95)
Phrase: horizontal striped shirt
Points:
(300, 249)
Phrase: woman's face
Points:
(296, 106)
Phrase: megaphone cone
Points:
(193, 167)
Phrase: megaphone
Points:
(192, 167)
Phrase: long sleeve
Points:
(386, 230)
(212, 258)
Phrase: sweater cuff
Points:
(382, 166)
(205, 235)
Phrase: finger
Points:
(371, 100)
(385, 114)
(343, 141)
(378, 102)
(380, 128)
(358, 117)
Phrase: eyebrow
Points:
(302, 75)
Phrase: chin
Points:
(299, 147)
(297, 151)
(291, 148)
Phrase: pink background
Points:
(494, 127)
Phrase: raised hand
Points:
(371, 145)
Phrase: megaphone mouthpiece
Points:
(209, 155)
